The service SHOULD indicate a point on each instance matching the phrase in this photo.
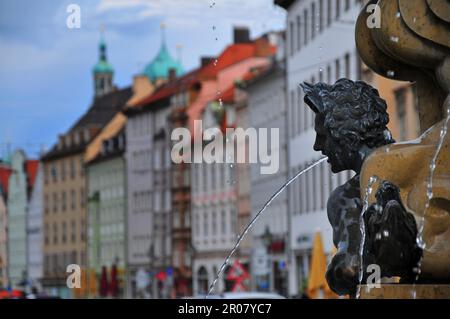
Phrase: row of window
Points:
(208, 177)
(62, 170)
(64, 233)
(57, 263)
(64, 201)
(214, 223)
(304, 27)
(151, 200)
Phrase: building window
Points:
(46, 174)
(321, 15)
(329, 12)
(400, 101)
(313, 20)
(82, 197)
(292, 34)
(73, 199)
(214, 223)
(63, 170)
(55, 202)
(64, 201)
(347, 65)
(46, 203)
(47, 234)
(329, 74)
(338, 69)
(347, 5)
(305, 26)
(55, 233)
(224, 222)
(82, 230)
(72, 168)
(206, 224)
(64, 232)
(74, 232)
(54, 173)
(338, 9)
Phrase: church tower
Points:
(103, 72)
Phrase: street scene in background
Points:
(165, 149)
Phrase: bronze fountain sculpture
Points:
(407, 218)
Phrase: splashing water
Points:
(362, 229)
(253, 221)
(419, 239)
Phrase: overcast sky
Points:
(45, 67)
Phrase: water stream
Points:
(420, 241)
(255, 218)
(362, 229)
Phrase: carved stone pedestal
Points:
(398, 291)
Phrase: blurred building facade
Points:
(5, 172)
(20, 185)
(35, 214)
(65, 194)
(267, 109)
(106, 187)
(148, 169)
(216, 198)
(3, 242)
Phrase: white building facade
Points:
(320, 46)
(149, 202)
(35, 266)
(267, 109)
(17, 221)
(214, 213)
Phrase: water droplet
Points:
(394, 39)
(385, 233)
(429, 193)
(390, 73)
(432, 166)
(378, 236)
(398, 15)
(414, 19)
(320, 70)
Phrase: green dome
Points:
(161, 64)
(102, 66)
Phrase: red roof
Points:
(233, 54)
(31, 167)
(4, 178)
(238, 52)
(170, 88)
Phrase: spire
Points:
(163, 34)
(103, 71)
(102, 44)
(159, 67)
